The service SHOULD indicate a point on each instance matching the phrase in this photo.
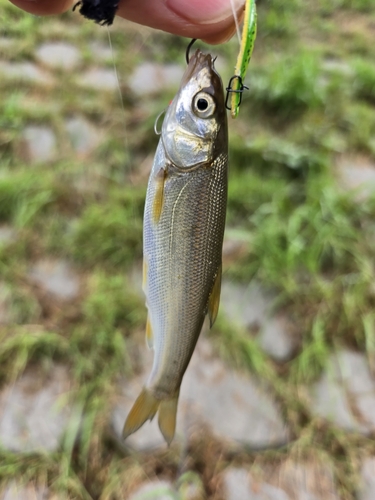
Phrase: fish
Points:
(184, 221)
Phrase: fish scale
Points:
(184, 222)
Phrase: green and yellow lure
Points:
(249, 32)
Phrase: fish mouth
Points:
(198, 61)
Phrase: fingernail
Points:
(204, 12)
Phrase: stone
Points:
(367, 490)
(236, 407)
(56, 277)
(304, 481)
(6, 43)
(275, 339)
(246, 305)
(7, 234)
(345, 393)
(286, 481)
(154, 490)
(331, 65)
(150, 78)
(357, 174)
(14, 491)
(25, 71)
(249, 307)
(238, 484)
(101, 52)
(329, 401)
(40, 143)
(31, 416)
(83, 136)
(99, 79)
(59, 55)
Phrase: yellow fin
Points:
(157, 205)
(144, 273)
(167, 417)
(214, 300)
(149, 334)
(144, 408)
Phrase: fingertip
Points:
(43, 7)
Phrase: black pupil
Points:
(202, 104)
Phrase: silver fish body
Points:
(184, 223)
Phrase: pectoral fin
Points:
(158, 202)
(214, 300)
(149, 334)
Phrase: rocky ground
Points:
(279, 399)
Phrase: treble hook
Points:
(188, 50)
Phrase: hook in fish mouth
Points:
(188, 48)
(187, 54)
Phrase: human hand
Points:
(209, 20)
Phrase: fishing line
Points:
(117, 79)
(238, 30)
(126, 141)
(115, 70)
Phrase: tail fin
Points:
(145, 408)
(167, 417)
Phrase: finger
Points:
(209, 20)
(43, 7)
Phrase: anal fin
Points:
(214, 299)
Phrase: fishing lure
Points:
(236, 86)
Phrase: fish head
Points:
(196, 116)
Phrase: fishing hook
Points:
(231, 90)
(188, 49)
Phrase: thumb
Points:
(210, 20)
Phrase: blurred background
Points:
(279, 400)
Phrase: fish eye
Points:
(204, 105)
